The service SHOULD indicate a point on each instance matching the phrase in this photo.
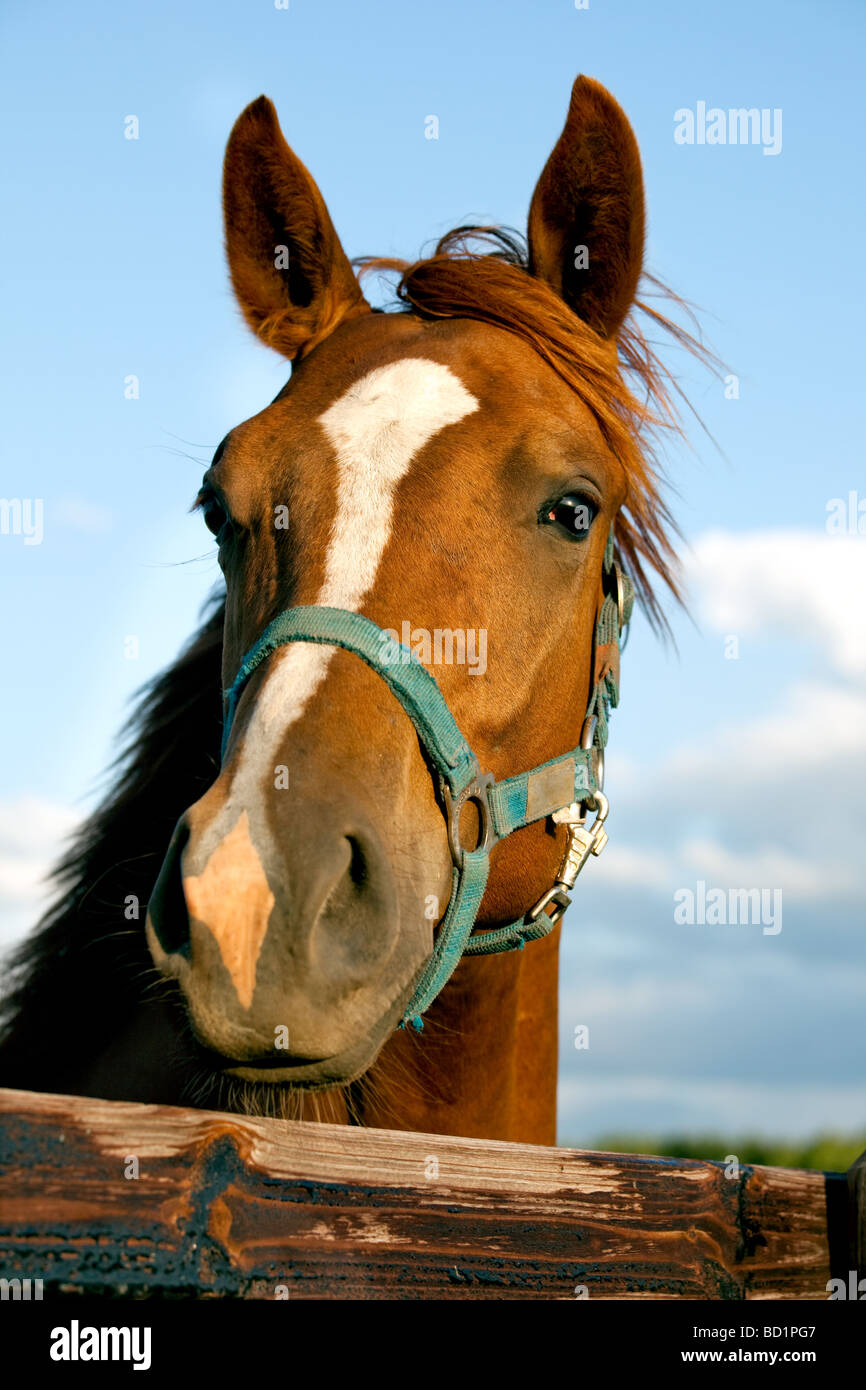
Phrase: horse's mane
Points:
(73, 983)
(482, 273)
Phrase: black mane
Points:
(76, 980)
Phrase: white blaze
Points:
(376, 428)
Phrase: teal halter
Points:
(560, 788)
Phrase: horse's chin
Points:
(311, 1073)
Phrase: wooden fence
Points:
(98, 1196)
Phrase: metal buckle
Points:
(476, 791)
(582, 841)
(587, 734)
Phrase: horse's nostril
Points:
(167, 907)
(357, 863)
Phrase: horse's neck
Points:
(485, 1063)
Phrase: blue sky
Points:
(113, 265)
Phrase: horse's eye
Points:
(214, 514)
(573, 514)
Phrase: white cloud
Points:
(20, 878)
(79, 515)
(813, 724)
(592, 1106)
(654, 870)
(805, 584)
(774, 800)
(33, 833)
(29, 824)
(641, 999)
(623, 864)
(710, 1029)
(768, 868)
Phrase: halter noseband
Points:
(562, 788)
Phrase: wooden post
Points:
(857, 1215)
(99, 1196)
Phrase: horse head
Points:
(452, 473)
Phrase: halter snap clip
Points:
(581, 842)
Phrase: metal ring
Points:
(620, 596)
(476, 791)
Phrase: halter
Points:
(562, 788)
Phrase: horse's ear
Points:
(290, 274)
(586, 220)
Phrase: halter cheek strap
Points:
(562, 788)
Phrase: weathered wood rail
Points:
(255, 1208)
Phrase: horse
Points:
(355, 856)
